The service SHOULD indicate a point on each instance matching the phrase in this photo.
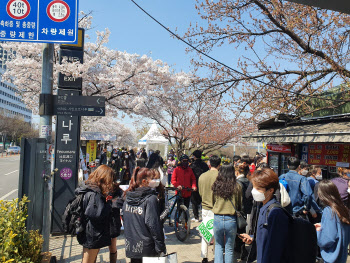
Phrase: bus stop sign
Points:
(44, 21)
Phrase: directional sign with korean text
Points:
(79, 105)
(78, 110)
(45, 21)
(95, 101)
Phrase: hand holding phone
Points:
(246, 238)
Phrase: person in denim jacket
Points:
(299, 190)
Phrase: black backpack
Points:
(303, 240)
(73, 217)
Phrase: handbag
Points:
(241, 221)
(170, 258)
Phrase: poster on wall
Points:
(328, 154)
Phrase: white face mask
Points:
(258, 196)
(304, 172)
(126, 156)
(318, 177)
(115, 155)
(154, 183)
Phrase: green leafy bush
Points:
(16, 243)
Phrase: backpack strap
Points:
(274, 205)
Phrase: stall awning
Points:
(97, 136)
(308, 133)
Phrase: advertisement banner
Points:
(279, 148)
(91, 150)
(328, 154)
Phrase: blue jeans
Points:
(225, 229)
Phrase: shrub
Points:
(16, 243)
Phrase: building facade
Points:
(11, 103)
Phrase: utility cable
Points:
(223, 64)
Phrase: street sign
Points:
(78, 110)
(66, 162)
(95, 101)
(336, 5)
(45, 21)
(68, 104)
(70, 81)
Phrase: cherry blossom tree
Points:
(124, 79)
(285, 54)
(191, 120)
(110, 125)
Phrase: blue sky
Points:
(134, 32)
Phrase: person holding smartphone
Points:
(272, 231)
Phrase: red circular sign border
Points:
(21, 17)
(56, 2)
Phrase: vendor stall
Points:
(323, 141)
(154, 140)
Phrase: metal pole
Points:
(45, 125)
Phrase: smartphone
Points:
(240, 236)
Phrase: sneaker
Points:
(205, 260)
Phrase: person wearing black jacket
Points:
(144, 235)
(198, 167)
(97, 206)
(103, 159)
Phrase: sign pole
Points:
(45, 132)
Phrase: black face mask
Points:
(184, 165)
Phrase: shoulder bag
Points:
(241, 221)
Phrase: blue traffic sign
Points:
(45, 21)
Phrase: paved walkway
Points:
(66, 248)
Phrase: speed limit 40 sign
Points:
(46, 21)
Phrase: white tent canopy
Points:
(154, 139)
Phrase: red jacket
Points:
(185, 178)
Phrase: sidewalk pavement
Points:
(67, 249)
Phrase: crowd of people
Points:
(247, 187)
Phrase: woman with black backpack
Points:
(98, 193)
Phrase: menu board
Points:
(328, 154)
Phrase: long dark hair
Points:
(225, 184)
(329, 195)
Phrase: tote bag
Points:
(170, 258)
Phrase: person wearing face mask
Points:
(304, 168)
(124, 168)
(315, 171)
(342, 183)
(114, 163)
(272, 232)
(143, 231)
(183, 176)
